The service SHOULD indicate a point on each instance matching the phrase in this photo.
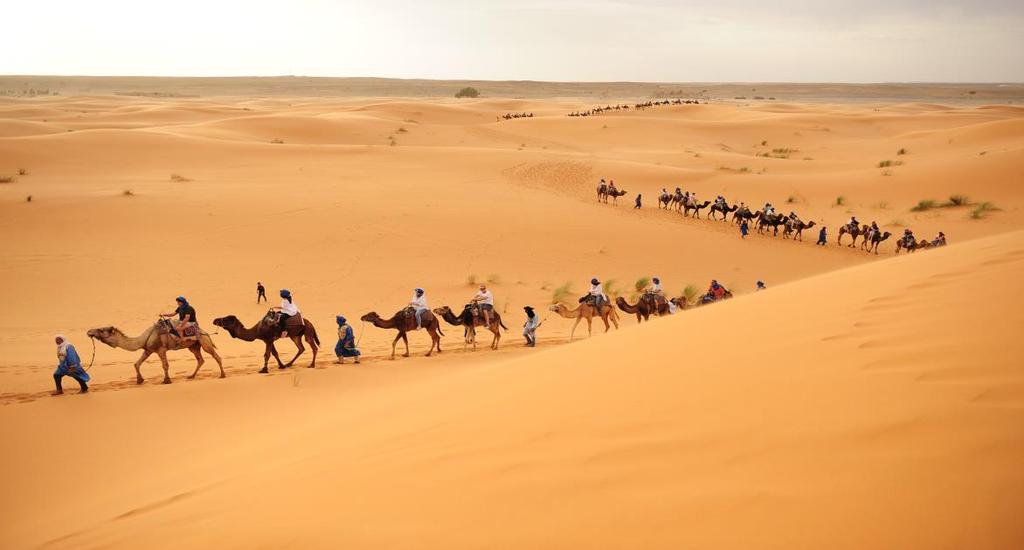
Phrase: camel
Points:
(614, 194)
(268, 331)
(724, 209)
(872, 239)
(664, 200)
(744, 213)
(687, 206)
(796, 228)
(773, 220)
(587, 311)
(152, 341)
(913, 245)
(854, 232)
(470, 322)
(648, 304)
(405, 321)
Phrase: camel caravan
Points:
(625, 107)
(511, 116)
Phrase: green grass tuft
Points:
(561, 294)
(924, 205)
(983, 210)
(471, 280)
(840, 200)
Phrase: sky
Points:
(559, 40)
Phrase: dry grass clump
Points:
(561, 294)
(983, 210)
(127, 193)
(22, 172)
(402, 130)
(840, 200)
(471, 280)
(889, 163)
(924, 205)
(958, 200)
(277, 141)
(690, 292)
(494, 278)
(179, 178)
(7, 179)
(902, 151)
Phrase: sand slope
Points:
(883, 410)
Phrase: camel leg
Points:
(393, 344)
(497, 336)
(406, 340)
(297, 340)
(435, 340)
(572, 331)
(314, 348)
(266, 356)
(197, 351)
(138, 364)
(590, 326)
(216, 357)
(163, 361)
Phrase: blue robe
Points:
(71, 366)
(346, 346)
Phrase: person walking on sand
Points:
(638, 199)
(288, 310)
(821, 237)
(68, 364)
(346, 346)
(760, 285)
(261, 292)
(744, 229)
(530, 327)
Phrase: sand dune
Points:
(863, 402)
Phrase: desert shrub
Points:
(127, 193)
(7, 179)
(561, 294)
(690, 292)
(468, 91)
(791, 199)
(924, 205)
(840, 200)
(402, 130)
(958, 200)
(22, 172)
(983, 210)
(764, 142)
(641, 284)
(179, 178)
(494, 278)
(885, 164)
(882, 205)
(277, 141)
(902, 151)
(471, 279)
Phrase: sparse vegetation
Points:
(690, 292)
(840, 200)
(889, 163)
(127, 193)
(179, 178)
(468, 91)
(881, 205)
(924, 205)
(402, 130)
(277, 141)
(471, 280)
(641, 284)
(28, 198)
(792, 199)
(7, 179)
(22, 172)
(494, 278)
(902, 151)
(983, 210)
(742, 170)
(958, 200)
(764, 142)
(560, 294)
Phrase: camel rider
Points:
(655, 287)
(908, 238)
(596, 295)
(768, 209)
(716, 290)
(854, 225)
(186, 314)
(940, 239)
(419, 305)
(611, 187)
(288, 310)
(720, 202)
(485, 301)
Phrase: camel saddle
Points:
(274, 317)
(188, 334)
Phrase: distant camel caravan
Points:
(267, 330)
(587, 311)
(405, 321)
(159, 340)
(470, 320)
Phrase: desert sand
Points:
(862, 401)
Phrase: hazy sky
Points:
(643, 40)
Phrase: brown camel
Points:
(912, 245)
(770, 220)
(614, 194)
(796, 228)
(854, 231)
(152, 341)
(470, 322)
(873, 239)
(664, 200)
(744, 213)
(687, 206)
(725, 210)
(268, 331)
(405, 321)
(587, 311)
(648, 304)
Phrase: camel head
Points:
(442, 311)
(228, 323)
(809, 224)
(555, 307)
(370, 317)
(105, 335)
(885, 236)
